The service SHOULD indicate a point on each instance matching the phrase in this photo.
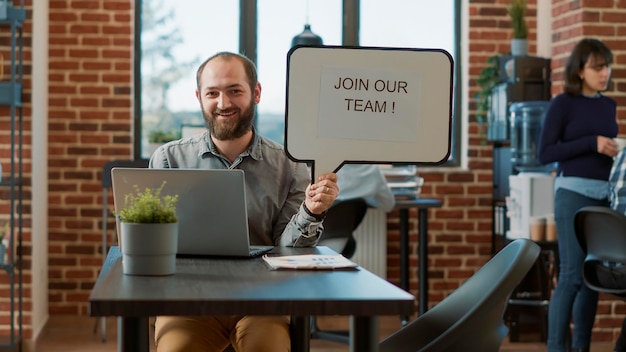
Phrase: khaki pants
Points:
(214, 334)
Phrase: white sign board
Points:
(368, 105)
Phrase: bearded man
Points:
(284, 208)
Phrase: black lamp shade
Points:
(307, 37)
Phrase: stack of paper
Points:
(403, 181)
(310, 261)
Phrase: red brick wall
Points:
(90, 122)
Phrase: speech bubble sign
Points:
(368, 105)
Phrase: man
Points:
(613, 275)
(283, 208)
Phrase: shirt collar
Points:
(254, 150)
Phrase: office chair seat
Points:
(470, 319)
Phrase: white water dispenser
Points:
(531, 194)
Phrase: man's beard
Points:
(229, 129)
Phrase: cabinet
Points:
(11, 21)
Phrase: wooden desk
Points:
(422, 205)
(211, 286)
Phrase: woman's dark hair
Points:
(248, 66)
(586, 49)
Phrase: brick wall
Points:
(90, 122)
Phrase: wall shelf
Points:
(11, 84)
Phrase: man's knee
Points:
(263, 334)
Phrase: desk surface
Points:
(212, 286)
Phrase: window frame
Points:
(350, 37)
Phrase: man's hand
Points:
(321, 194)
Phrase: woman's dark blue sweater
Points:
(569, 135)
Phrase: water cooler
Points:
(521, 79)
(531, 190)
(530, 195)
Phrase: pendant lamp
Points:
(307, 37)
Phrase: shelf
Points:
(10, 94)
(9, 183)
(14, 16)
(5, 342)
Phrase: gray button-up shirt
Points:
(275, 186)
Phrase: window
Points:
(274, 41)
(175, 37)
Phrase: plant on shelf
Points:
(149, 232)
(517, 12)
(489, 77)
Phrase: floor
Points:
(76, 334)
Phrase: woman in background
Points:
(578, 133)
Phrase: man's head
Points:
(228, 92)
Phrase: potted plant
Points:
(488, 79)
(517, 12)
(149, 232)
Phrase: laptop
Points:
(212, 212)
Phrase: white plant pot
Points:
(519, 47)
(149, 249)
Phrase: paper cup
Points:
(621, 143)
(537, 228)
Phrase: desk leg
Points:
(300, 333)
(363, 334)
(404, 255)
(133, 334)
(422, 273)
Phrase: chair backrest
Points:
(107, 183)
(601, 233)
(342, 219)
(472, 317)
(106, 169)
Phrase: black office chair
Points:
(342, 219)
(601, 232)
(106, 184)
(470, 319)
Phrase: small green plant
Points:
(160, 136)
(517, 12)
(149, 207)
(488, 79)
